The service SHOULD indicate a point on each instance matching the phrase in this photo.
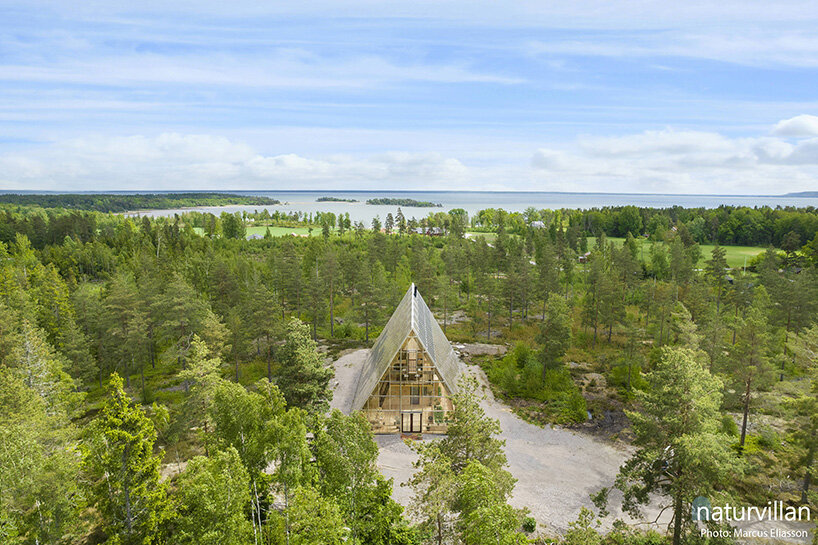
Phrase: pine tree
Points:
(715, 272)
(303, 377)
(182, 313)
(555, 332)
(329, 270)
(805, 347)
(400, 221)
(202, 379)
(749, 362)
(124, 472)
(681, 452)
(471, 436)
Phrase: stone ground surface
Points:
(556, 469)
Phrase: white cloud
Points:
(666, 141)
(172, 160)
(798, 127)
(665, 161)
(683, 162)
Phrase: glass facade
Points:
(411, 396)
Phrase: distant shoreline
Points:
(797, 194)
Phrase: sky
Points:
(597, 96)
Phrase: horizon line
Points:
(795, 194)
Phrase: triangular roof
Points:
(411, 315)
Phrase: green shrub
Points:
(563, 400)
(618, 376)
(729, 426)
(529, 525)
(438, 414)
(751, 445)
(622, 534)
(768, 439)
(521, 353)
(344, 331)
(583, 530)
(504, 374)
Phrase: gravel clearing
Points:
(556, 469)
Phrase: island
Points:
(334, 199)
(123, 202)
(404, 202)
(805, 194)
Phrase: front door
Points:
(411, 421)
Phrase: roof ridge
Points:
(412, 318)
(420, 322)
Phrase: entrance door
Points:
(411, 421)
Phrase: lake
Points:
(513, 201)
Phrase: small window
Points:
(414, 395)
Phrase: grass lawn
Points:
(735, 255)
(281, 231)
(475, 234)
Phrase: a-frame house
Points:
(405, 386)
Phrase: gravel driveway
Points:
(556, 469)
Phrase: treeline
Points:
(101, 202)
(727, 225)
(334, 199)
(403, 202)
(786, 228)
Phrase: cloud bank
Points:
(189, 161)
(662, 161)
(686, 161)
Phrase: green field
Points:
(274, 231)
(282, 231)
(475, 234)
(735, 255)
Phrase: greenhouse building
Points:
(406, 384)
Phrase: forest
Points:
(123, 202)
(167, 380)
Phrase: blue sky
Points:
(709, 97)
